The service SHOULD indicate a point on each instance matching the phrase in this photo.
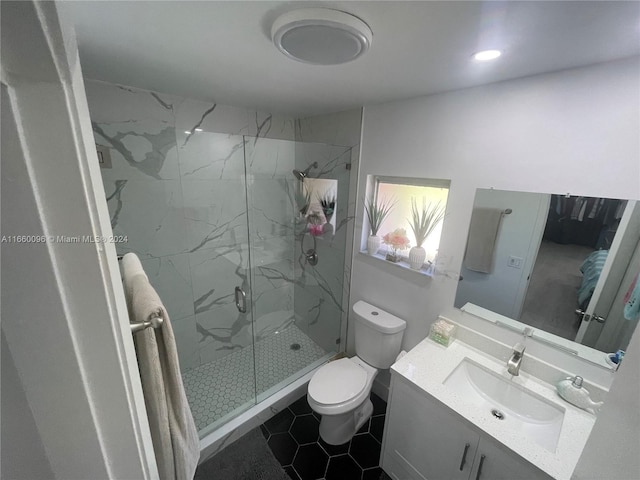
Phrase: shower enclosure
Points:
(263, 313)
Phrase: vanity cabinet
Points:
(425, 440)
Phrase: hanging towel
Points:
(131, 266)
(483, 236)
(173, 431)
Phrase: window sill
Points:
(404, 264)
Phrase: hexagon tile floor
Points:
(217, 388)
(293, 438)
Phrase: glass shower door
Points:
(222, 383)
(297, 306)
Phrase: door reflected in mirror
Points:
(562, 264)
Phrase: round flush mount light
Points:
(486, 55)
(321, 36)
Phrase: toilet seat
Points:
(339, 386)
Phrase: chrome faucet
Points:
(513, 364)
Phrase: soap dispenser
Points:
(572, 391)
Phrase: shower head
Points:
(302, 175)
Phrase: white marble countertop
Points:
(429, 364)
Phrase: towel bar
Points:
(154, 321)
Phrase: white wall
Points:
(572, 131)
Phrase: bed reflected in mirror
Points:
(559, 263)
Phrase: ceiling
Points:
(222, 51)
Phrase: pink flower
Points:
(397, 239)
(315, 230)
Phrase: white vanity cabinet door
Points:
(499, 463)
(424, 438)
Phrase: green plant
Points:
(377, 212)
(425, 220)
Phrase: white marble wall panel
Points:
(265, 304)
(270, 158)
(215, 273)
(212, 156)
(215, 213)
(171, 277)
(150, 214)
(110, 103)
(221, 331)
(184, 331)
(270, 209)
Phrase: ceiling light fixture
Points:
(487, 55)
(321, 36)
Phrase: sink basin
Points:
(506, 402)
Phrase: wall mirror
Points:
(563, 264)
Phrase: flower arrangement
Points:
(425, 220)
(377, 212)
(397, 240)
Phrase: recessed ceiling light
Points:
(187, 132)
(486, 55)
(198, 129)
(321, 36)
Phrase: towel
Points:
(483, 236)
(632, 300)
(131, 266)
(173, 431)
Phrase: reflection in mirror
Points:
(563, 264)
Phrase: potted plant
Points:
(397, 240)
(376, 213)
(423, 222)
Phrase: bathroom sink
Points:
(506, 402)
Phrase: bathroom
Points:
(505, 136)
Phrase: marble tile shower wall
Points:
(320, 289)
(318, 299)
(179, 197)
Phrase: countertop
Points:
(429, 364)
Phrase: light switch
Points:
(515, 262)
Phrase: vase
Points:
(373, 244)
(417, 256)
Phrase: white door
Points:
(599, 315)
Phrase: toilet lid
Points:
(337, 382)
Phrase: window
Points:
(402, 191)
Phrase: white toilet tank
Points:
(378, 335)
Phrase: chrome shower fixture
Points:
(302, 175)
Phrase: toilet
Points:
(339, 391)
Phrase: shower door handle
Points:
(241, 300)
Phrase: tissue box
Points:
(442, 332)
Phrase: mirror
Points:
(563, 264)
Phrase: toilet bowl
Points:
(339, 391)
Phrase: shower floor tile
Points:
(216, 389)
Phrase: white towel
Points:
(131, 266)
(173, 431)
(483, 236)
